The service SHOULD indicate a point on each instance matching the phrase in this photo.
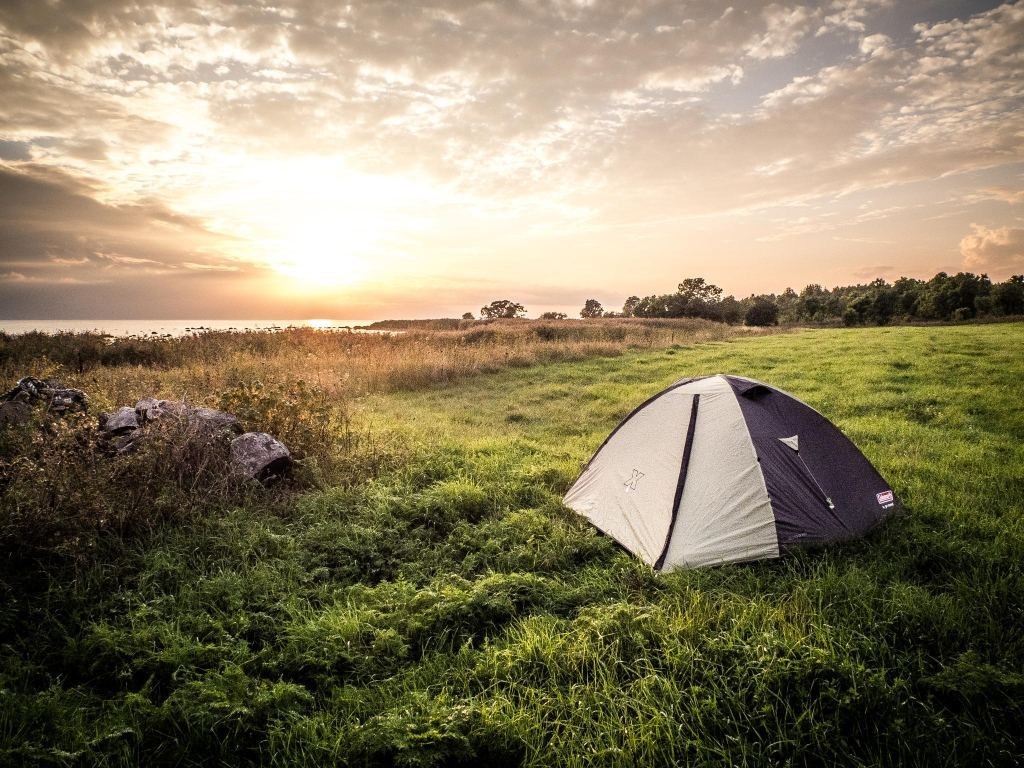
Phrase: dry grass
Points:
(62, 491)
(343, 365)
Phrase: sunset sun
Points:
(321, 254)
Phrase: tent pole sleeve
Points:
(683, 467)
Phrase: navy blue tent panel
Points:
(824, 489)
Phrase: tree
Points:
(858, 308)
(1008, 297)
(652, 306)
(502, 308)
(695, 298)
(698, 289)
(763, 311)
(943, 296)
(629, 308)
(592, 308)
(908, 295)
(553, 316)
(811, 304)
(468, 316)
(730, 310)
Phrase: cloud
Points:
(998, 252)
(1009, 195)
(130, 132)
(870, 273)
(58, 241)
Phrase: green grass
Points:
(447, 610)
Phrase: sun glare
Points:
(318, 254)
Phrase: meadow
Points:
(418, 595)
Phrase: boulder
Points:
(259, 456)
(213, 419)
(151, 409)
(148, 409)
(208, 419)
(64, 399)
(120, 421)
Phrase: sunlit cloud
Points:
(256, 157)
(998, 250)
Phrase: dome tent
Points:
(724, 469)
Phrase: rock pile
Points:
(253, 455)
(16, 405)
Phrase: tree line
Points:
(962, 296)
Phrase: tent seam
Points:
(684, 466)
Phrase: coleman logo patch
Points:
(884, 498)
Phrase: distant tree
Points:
(787, 302)
(592, 308)
(730, 310)
(553, 316)
(943, 296)
(1008, 297)
(502, 308)
(695, 297)
(468, 316)
(884, 302)
(858, 309)
(812, 303)
(652, 306)
(908, 295)
(697, 288)
(762, 311)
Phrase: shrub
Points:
(62, 488)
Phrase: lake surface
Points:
(170, 327)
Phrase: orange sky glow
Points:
(395, 159)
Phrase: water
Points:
(170, 327)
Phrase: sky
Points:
(306, 158)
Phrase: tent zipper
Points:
(828, 499)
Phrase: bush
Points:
(63, 489)
(762, 313)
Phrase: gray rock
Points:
(27, 390)
(14, 413)
(120, 421)
(58, 399)
(151, 409)
(207, 419)
(64, 399)
(258, 456)
(148, 409)
(213, 419)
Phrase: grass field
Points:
(441, 607)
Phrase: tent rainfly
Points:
(724, 469)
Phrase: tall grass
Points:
(61, 491)
(445, 609)
(343, 363)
